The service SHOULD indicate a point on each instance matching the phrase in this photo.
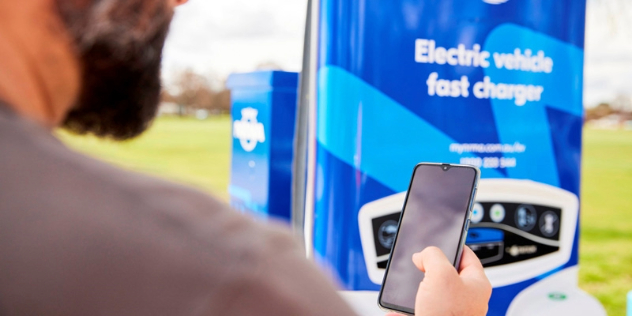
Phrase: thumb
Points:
(432, 258)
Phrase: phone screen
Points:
(434, 214)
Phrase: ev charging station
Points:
(491, 83)
(263, 107)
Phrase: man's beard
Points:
(120, 45)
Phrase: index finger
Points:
(470, 264)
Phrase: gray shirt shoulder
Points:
(81, 237)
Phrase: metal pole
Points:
(299, 167)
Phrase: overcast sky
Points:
(218, 37)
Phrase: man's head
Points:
(119, 43)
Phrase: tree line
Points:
(192, 92)
(620, 107)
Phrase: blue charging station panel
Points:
(492, 83)
(263, 119)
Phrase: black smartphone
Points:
(436, 213)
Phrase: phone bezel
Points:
(459, 252)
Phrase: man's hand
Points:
(444, 291)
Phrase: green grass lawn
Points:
(185, 150)
(198, 153)
(606, 242)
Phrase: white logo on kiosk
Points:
(248, 130)
(495, 1)
(497, 213)
(521, 250)
(477, 213)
